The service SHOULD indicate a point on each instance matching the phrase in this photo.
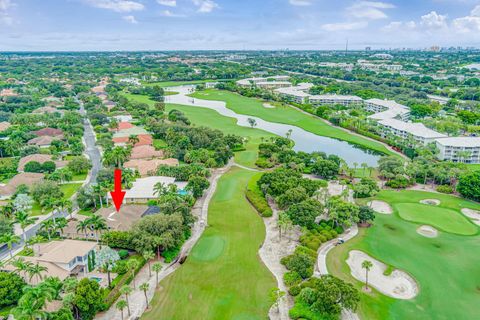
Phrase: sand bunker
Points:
(398, 284)
(432, 202)
(427, 231)
(380, 207)
(474, 215)
(268, 106)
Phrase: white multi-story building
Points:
(333, 99)
(459, 149)
(405, 130)
(283, 80)
(273, 84)
(293, 94)
(386, 109)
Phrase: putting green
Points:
(209, 248)
(444, 219)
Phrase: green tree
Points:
(157, 267)
(10, 239)
(367, 265)
(11, 286)
(121, 305)
(132, 266)
(36, 271)
(24, 220)
(197, 185)
(106, 259)
(469, 185)
(148, 256)
(88, 298)
(126, 290)
(144, 287)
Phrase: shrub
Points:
(301, 263)
(123, 254)
(264, 163)
(118, 239)
(257, 199)
(295, 290)
(291, 278)
(170, 255)
(11, 286)
(445, 189)
(33, 166)
(120, 267)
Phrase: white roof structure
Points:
(466, 142)
(292, 91)
(415, 129)
(143, 188)
(248, 81)
(393, 109)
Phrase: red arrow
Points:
(117, 193)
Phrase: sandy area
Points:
(427, 231)
(474, 215)
(380, 207)
(398, 284)
(268, 106)
(432, 202)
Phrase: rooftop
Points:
(416, 129)
(134, 130)
(145, 167)
(63, 251)
(4, 125)
(26, 178)
(40, 158)
(143, 188)
(52, 132)
(145, 152)
(42, 141)
(335, 97)
(469, 142)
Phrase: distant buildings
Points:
(459, 149)
(334, 99)
(266, 83)
(386, 109)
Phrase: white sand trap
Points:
(474, 215)
(432, 202)
(398, 284)
(380, 207)
(268, 106)
(427, 231)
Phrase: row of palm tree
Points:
(29, 269)
(52, 226)
(94, 223)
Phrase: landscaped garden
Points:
(445, 267)
(223, 278)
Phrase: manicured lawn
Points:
(170, 93)
(444, 219)
(286, 115)
(164, 84)
(223, 278)
(80, 177)
(69, 189)
(159, 144)
(212, 119)
(446, 267)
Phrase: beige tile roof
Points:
(42, 141)
(52, 270)
(145, 152)
(63, 251)
(52, 132)
(146, 167)
(26, 178)
(4, 125)
(47, 109)
(40, 158)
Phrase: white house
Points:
(459, 149)
(142, 189)
(404, 130)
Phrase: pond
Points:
(304, 140)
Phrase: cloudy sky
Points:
(236, 24)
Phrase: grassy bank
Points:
(223, 278)
(286, 115)
(444, 267)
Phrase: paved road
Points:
(94, 154)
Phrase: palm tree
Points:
(65, 204)
(132, 265)
(28, 309)
(24, 220)
(8, 210)
(144, 287)
(49, 227)
(83, 226)
(97, 223)
(364, 165)
(157, 267)
(116, 156)
(60, 224)
(36, 270)
(98, 192)
(133, 139)
(148, 256)
(126, 290)
(121, 304)
(21, 266)
(367, 265)
(10, 239)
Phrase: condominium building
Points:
(459, 149)
(282, 81)
(333, 99)
(293, 94)
(386, 109)
(406, 130)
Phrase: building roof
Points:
(52, 270)
(335, 97)
(467, 142)
(394, 109)
(26, 178)
(125, 218)
(52, 132)
(415, 129)
(293, 91)
(143, 188)
(4, 125)
(124, 125)
(146, 167)
(47, 109)
(42, 141)
(8, 93)
(145, 152)
(143, 140)
(40, 158)
(134, 130)
(123, 118)
(63, 251)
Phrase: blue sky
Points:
(236, 24)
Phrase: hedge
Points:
(256, 198)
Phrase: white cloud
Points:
(168, 13)
(300, 2)
(117, 5)
(372, 10)
(433, 20)
(130, 19)
(344, 26)
(168, 3)
(476, 11)
(399, 26)
(205, 6)
(5, 17)
(469, 23)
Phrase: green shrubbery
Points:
(291, 278)
(445, 189)
(256, 198)
(314, 238)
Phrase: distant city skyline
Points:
(130, 25)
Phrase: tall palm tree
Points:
(126, 290)
(83, 226)
(21, 266)
(157, 267)
(132, 265)
(97, 223)
(148, 256)
(60, 224)
(10, 239)
(8, 210)
(133, 139)
(49, 227)
(144, 287)
(364, 165)
(24, 220)
(367, 265)
(98, 192)
(121, 304)
(36, 270)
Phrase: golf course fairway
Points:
(223, 277)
